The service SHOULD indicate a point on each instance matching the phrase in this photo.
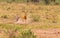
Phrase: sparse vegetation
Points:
(4, 16)
(43, 17)
(16, 31)
(35, 18)
(27, 34)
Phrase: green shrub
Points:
(27, 34)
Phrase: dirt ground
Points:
(47, 33)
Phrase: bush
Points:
(27, 34)
(4, 16)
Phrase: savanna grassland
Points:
(43, 21)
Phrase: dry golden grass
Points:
(42, 16)
(47, 13)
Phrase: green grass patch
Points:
(13, 26)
